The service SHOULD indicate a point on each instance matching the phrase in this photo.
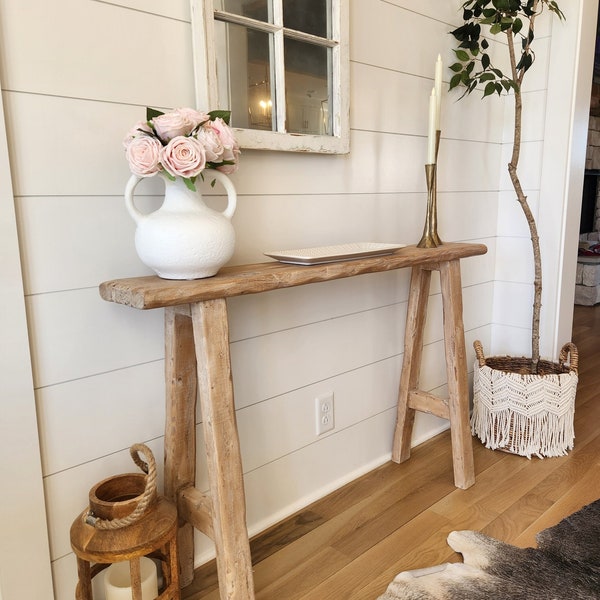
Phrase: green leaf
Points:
(501, 5)
(490, 88)
(461, 55)
(456, 67)
(517, 25)
(485, 44)
(495, 28)
(485, 61)
(189, 183)
(486, 77)
(455, 81)
(553, 6)
(525, 62)
(151, 113)
(222, 114)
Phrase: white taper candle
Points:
(431, 132)
(438, 91)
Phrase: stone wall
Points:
(592, 159)
(587, 279)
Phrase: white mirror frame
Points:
(205, 79)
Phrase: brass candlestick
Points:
(430, 238)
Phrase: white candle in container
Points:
(117, 581)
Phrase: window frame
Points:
(206, 84)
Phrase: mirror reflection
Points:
(247, 64)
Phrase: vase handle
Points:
(136, 215)
(229, 188)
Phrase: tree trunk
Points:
(522, 199)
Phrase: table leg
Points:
(413, 350)
(180, 426)
(224, 465)
(410, 398)
(456, 368)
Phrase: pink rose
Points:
(139, 129)
(209, 138)
(184, 156)
(230, 155)
(143, 155)
(193, 116)
(171, 125)
(224, 132)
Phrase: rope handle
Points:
(569, 350)
(149, 467)
(479, 353)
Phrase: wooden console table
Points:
(197, 359)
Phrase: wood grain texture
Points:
(153, 292)
(410, 398)
(456, 371)
(224, 462)
(154, 533)
(420, 283)
(397, 517)
(180, 424)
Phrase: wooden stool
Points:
(110, 532)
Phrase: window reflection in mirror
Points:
(307, 88)
(255, 9)
(244, 75)
(247, 60)
(309, 16)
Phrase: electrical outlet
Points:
(324, 413)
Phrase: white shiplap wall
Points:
(76, 74)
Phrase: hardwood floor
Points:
(350, 545)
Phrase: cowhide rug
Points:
(564, 566)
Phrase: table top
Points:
(154, 292)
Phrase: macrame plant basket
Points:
(522, 413)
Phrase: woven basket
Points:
(522, 413)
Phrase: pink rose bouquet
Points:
(182, 143)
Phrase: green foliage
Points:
(512, 18)
(222, 114)
(151, 113)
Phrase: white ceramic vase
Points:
(184, 238)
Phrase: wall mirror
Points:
(280, 66)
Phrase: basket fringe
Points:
(524, 414)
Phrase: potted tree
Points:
(522, 405)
